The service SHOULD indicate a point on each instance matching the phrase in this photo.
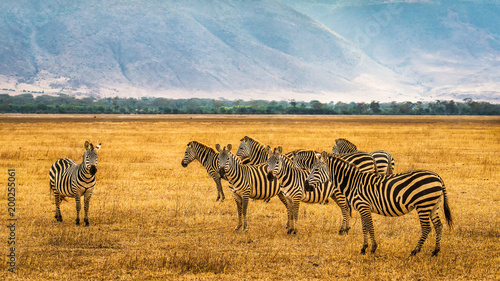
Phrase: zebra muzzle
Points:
(270, 176)
(93, 170)
(184, 164)
(307, 186)
(222, 172)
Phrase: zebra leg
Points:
(295, 212)
(58, 199)
(220, 193)
(367, 224)
(86, 208)
(285, 202)
(244, 207)
(341, 201)
(289, 211)
(238, 200)
(78, 207)
(425, 223)
(438, 226)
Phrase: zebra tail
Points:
(447, 211)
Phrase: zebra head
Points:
(343, 146)
(189, 155)
(274, 162)
(90, 157)
(245, 149)
(305, 159)
(225, 158)
(320, 173)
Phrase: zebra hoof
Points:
(77, 222)
(237, 227)
(414, 252)
(87, 222)
(435, 252)
(363, 250)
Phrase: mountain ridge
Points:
(234, 49)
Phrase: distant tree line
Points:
(27, 103)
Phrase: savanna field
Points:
(153, 219)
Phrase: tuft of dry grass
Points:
(153, 219)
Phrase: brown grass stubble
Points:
(151, 218)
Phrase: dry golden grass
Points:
(152, 219)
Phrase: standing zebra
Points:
(292, 179)
(388, 195)
(248, 181)
(68, 179)
(251, 151)
(208, 158)
(383, 159)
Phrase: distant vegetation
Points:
(27, 103)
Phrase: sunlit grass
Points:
(151, 218)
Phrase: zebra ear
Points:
(229, 147)
(217, 147)
(324, 155)
(279, 149)
(97, 147)
(294, 154)
(268, 149)
(87, 145)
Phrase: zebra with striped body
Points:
(251, 151)
(209, 159)
(292, 179)
(306, 159)
(388, 195)
(68, 179)
(248, 181)
(383, 159)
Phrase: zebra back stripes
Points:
(69, 179)
(209, 159)
(306, 159)
(388, 195)
(247, 181)
(292, 180)
(383, 159)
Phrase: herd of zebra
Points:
(351, 178)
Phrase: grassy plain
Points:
(153, 219)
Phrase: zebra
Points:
(247, 181)
(383, 159)
(208, 158)
(68, 179)
(388, 195)
(251, 151)
(291, 179)
(306, 159)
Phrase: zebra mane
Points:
(197, 143)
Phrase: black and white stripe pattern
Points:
(251, 151)
(343, 146)
(383, 159)
(388, 195)
(306, 159)
(209, 159)
(68, 179)
(247, 181)
(292, 179)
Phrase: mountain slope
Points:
(235, 49)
